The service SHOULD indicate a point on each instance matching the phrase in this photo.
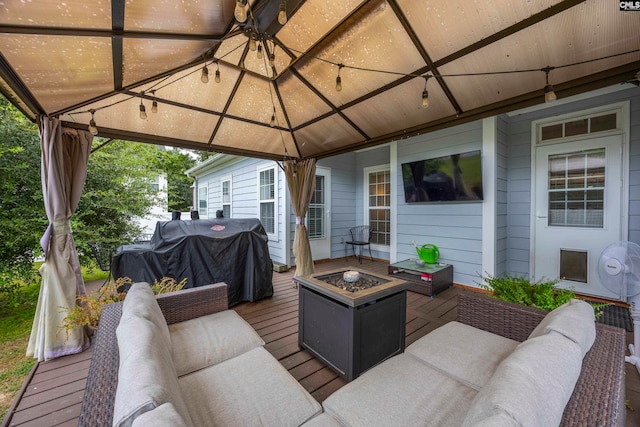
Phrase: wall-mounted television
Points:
(453, 178)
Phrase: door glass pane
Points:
(315, 214)
(576, 189)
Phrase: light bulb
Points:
(272, 59)
(282, 14)
(154, 106)
(240, 12)
(252, 43)
(205, 75)
(92, 126)
(338, 84)
(143, 111)
(217, 78)
(259, 51)
(549, 94)
(273, 121)
(425, 98)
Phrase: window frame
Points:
(259, 171)
(228, 179)
(204, 187)
(366, 207)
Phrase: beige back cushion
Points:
(531, 386)
(574, 320)
(141, 302)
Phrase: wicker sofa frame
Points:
(102, 380)
(599, 396)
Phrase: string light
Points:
(272, 59)
(240, 11)
(282, 13)
(154, 104)
(259, 51)
(143, 111)
(549, 94)
(273, 118)
(425, 92)
(92, 124)
(252, 42)
(217, 77)
(339, 79)
(205, 74)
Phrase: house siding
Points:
(244, 204)
(456, 228)
(519, 173)
(502, 137)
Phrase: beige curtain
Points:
(65, 155)
(301, 180)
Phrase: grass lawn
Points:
(15, 327)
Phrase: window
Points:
(226, 197)
(316, 211)
(203, 198)
(378, 204)
(578, 126)
(576, 189)
(267, 199)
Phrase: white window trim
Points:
(273, 235)
(200, 187)
(367, 171)
(224, 179)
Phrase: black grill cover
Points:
(203, 251)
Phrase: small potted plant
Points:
(86, 312)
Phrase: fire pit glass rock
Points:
(364, 281)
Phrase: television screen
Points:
(453, 178)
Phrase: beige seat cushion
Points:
(532, 386)
(140, 301)
(322, 420)
(575, 320)
(467, 354)
(207, 340)
(401, 391)
(252, 389)
(146, 375)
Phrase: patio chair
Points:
(103, 253)
(360, 237)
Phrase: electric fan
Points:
(619, 271)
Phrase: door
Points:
(319, 216)
(577, 211)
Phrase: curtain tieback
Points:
(61, 227)
(299, 220)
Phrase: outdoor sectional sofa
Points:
(459, 374)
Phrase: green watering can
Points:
(428, 253)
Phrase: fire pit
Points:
(351, 326)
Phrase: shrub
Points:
(88, 308)
(541, 294)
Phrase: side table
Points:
(428, 279)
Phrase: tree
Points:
(22, 215)
(174, 163)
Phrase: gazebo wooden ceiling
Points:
(481, 58)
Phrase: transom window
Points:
(267, 199)
(379, 205)
(579, 126)
(576, 189)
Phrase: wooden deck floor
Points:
(52, 395)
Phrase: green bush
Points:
(541, 294)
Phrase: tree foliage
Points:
(116, 191)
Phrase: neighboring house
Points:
(574, 162)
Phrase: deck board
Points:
(53, 396)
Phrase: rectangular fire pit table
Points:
(351, 331)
